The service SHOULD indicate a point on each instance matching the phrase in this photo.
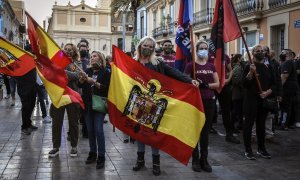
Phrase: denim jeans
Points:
(141, 148)
(13, 87)
(41, 96)
(94, 122)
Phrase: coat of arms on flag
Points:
(146, 107)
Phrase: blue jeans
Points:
(40, 92)
(13, 87)
(94, 122)
(141, 148)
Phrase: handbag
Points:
(99, 103)
(270, 104)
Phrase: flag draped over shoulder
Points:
(150, 107)
(225, 28)
(14, 61)
(51, 64)
(183, 38)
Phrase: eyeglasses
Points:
(203, 48)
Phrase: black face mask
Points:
(259, 56)
(83, 53)
(282, 57)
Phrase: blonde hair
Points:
(101, 57)
(152, 58)
(201, 41)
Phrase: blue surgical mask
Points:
(202, 53)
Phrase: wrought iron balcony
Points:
(276, 3)
(203, 17)
(164, 30)
(244, 7)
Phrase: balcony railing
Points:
(276, 3)
(164, 30)
(203, 17)
(248, 6)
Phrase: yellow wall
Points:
(294, 33)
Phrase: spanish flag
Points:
(14, 61)
(51, 62)
(154, 109)
(42, 43)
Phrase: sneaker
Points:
(26, 131)
(12, 103)
(33, 128)
(232, 139)
(263, 154)
(73, 152)
(213, 131)
(125, 140)
(7, 97)
(47, 120)
(91, 158)
(250, 156)
(54, 152)
(100, 162)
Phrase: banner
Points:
(153, 108)
(14, 61)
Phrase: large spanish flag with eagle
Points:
(14, 61)
(51, 62)
(153, 108)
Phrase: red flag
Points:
(14, 61)
(51, 64)
(225, 28)
(42, 43)
(151, 108)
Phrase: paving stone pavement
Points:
(26, 157)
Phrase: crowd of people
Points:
(265, 90)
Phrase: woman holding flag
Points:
(146, 56)
(95, 80)
(206, 74)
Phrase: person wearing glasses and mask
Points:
(167, 55)
(73, 109)
(209, 81)
(253, 104)
(146, 56)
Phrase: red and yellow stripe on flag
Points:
(154, 109)
(14, 61)
(51, 64)
(55, 81)
(42, 43)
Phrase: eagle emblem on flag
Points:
(145, 107)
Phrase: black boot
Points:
(156, 165)
(196, 161)
(205, 165)
(91, 158)
(140, 162)
(100, 162)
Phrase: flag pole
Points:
(193, 51)
(246, 47)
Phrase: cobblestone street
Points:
(26, 157)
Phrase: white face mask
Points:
(202, 54)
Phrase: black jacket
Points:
(103, 77)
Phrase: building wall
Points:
(9, 24)
(264, 32)
(71, 23)
(294, 33)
